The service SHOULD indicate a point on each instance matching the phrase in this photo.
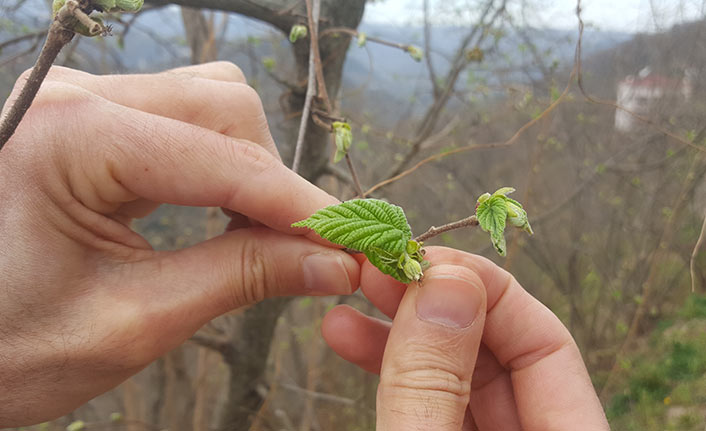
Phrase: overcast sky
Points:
(620, 15)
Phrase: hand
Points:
(84, 301)
(468, 349)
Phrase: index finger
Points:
(133, 154)
(551, 385)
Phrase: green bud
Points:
(116, 417)
(344, 139)
(268, 63)
(416, 53)
(413, 247)
(76, 426)
(362, 38)
(517, 216)
(297, 32)
(412, 269)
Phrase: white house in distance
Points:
(638, 93)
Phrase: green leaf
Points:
(374, 227)
(492, 214)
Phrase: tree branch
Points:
(268, 11)
(310, 86)
(694, 253)
(220, 344)
(434, 231)
(459, 62)
(18, 39)
(427, 50)
(57, 37)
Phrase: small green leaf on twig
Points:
(343, 138)
(495, 211)
(377, 229)
(297, 32)
(416, 53)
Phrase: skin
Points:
(85, 302)
(514, 367)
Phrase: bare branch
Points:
(321, 396)
(269, 11)
(356, 182)
(310, 86)
(427, 50)
(507, 143)
(694, 253)
(220, 344)
(459, 63)
(20, 54)
(336, 30)
(434, 231)
(36, 34)
(57, 37)
(314, 41)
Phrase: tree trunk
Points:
(252, 339)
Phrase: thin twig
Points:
(21, 54)
(427, 49)
(315, 54)
(314, 41)
(694, 253)
(310, 87)
(610, 103)
(434, 231)
(507, 143)
(36, 34)
(459, 63)
(217, 343)
(335, 30)
(57, 37)
(356, 182)
(320, 395)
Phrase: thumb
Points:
(425, 380)
(189, 287)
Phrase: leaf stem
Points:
(434, 231)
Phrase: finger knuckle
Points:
(430, 380)
(251, 275)
(258, 161)
(225, 71)
(431, 370)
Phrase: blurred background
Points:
(611, 172)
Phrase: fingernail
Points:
(449, 300)
(325, 273)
